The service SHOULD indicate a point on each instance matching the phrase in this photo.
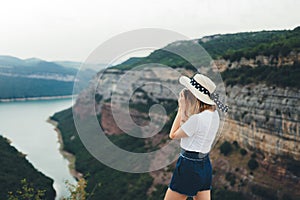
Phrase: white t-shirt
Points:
(201, 129)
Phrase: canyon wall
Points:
(259, 60)
(261, 117)
(264, 118)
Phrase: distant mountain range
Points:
(34, 77)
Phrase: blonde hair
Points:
(194, 105)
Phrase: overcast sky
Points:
(72, 29)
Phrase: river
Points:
(25, 124)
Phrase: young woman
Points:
(196, 124)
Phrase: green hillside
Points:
(14, 167)
(234, 47)
(19, 87)
(270, 43)
(228, 46)
(113, 184)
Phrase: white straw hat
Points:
(201, 86)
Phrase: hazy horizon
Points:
(70, 30)
(28, 58)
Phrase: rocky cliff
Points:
(265, 118)
(259, 60)
(261, 117)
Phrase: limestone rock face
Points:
(276, 61)
(264, 118)
(135, 85)
(261, 117)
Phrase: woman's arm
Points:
(176, 132)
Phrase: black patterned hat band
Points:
(213, 96)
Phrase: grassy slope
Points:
(228, 46)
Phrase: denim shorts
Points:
(192, 174)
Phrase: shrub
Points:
(286, 197)
(230, 177)
(27, 191)
(223, 194)
(266, 193)
(225, 148)
(252, 164)
(293, 166)
(243, 152)
(159, 192)
(235, 144)
(77, 191)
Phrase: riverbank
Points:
(37, 98)
(12, 174)
(70, 157)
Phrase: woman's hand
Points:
(181, 101)
(182, 108)
(176, 132)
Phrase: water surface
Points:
(25, 124)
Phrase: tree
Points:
(243, 152)
(26, 192)
(252, 164)
(77, 192)
(225, 148)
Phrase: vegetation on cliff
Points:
(248, 173)
(15, 167)
(228, 46)
(114, 184)
(251, 44)
(286, 76)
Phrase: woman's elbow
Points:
(171, 136)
